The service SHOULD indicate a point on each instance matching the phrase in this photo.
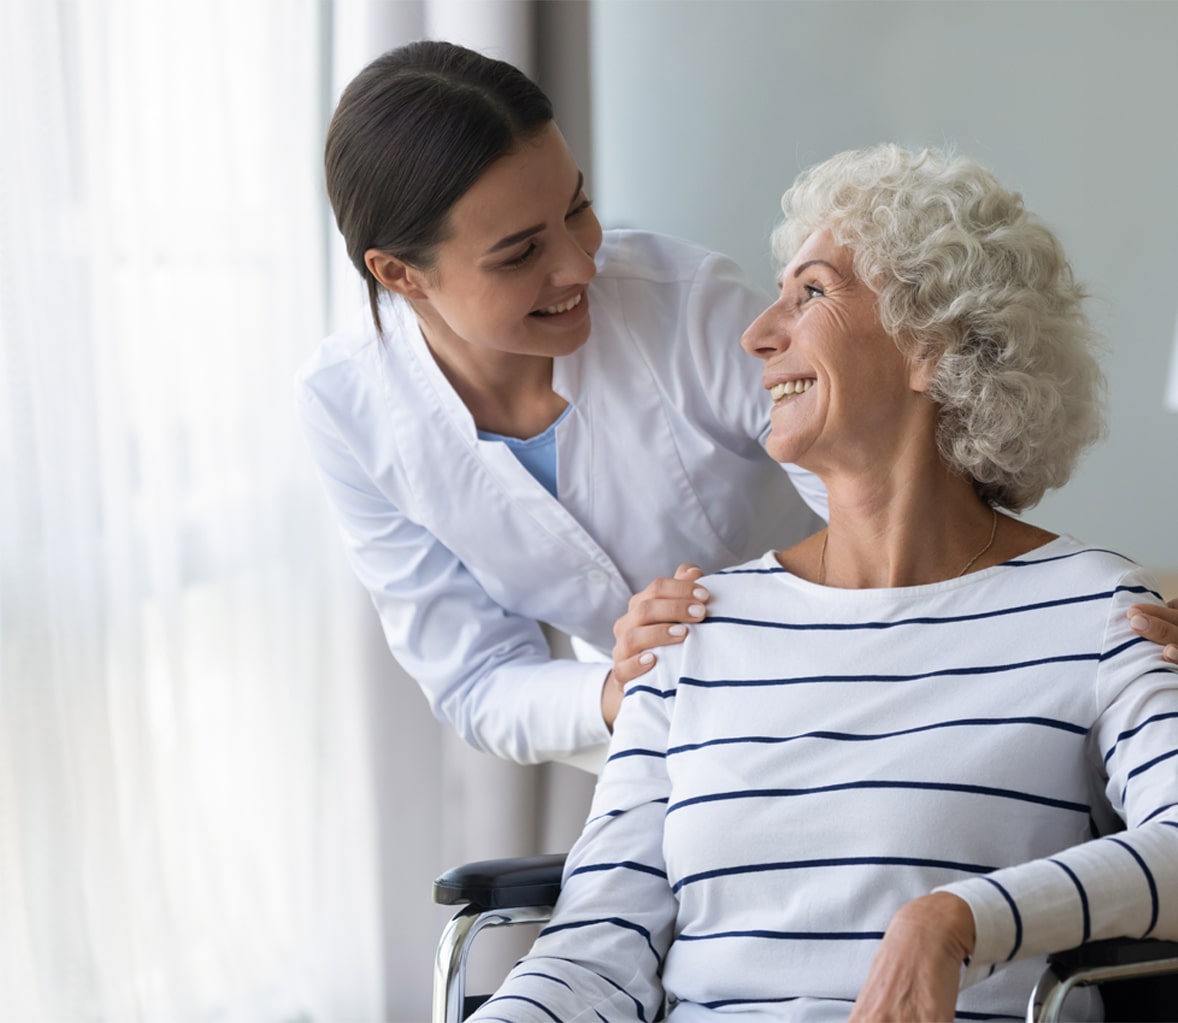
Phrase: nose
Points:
(767, 335)
(578, 246)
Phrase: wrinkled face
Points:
(843, 395)
(513, 272)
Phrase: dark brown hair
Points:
(412, 133)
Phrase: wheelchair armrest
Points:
(1135, 975)
(1115, 952)
(502, 884)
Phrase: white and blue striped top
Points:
(811, 758)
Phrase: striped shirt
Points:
(812, 758)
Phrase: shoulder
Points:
(748, 585)
(645, 257)
(343, 361)
(1067, 559)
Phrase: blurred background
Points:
(219, 797)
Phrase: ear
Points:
(921, 373)
(395, 274)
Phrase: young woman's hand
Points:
(1152, 621)
(658, 615)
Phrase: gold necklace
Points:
(968, 565)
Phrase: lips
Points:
(790, 388)
(561, 307)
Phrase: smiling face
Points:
(844, 397)
(512, 274)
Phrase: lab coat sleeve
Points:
(722, 305)
(600, 958)
(485, 671)
(1121, 885)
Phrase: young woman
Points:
(534, 418)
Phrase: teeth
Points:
(789, 388)
(564, 307)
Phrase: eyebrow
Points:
(815, 262)
(514, 239)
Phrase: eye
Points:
(812, 291)
(580, 208)
(524, 257)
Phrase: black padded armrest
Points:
(1116, 952)
(502, 884)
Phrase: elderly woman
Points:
(904, 759)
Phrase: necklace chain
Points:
(968, 565)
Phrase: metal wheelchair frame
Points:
(496, 893)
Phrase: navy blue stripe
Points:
(618, 987)
(1083, 899)
(980, 790)
(1168, 824)
(622, 754)
(1031, 562)
(531, 1001)
(547, 976)
(619, 812)
(1130, 732)
(989, 669)
(1001, 612)
(722, 1003)
(1135, 641)
(786, 935)
(843, 861)
(1158, 812)
(1018, 920)
(613, 921)
(1065, 726)
(600, 1016)
(592, 868)
(1153, 888)
(638, 1008)
(632, 690)
(1141, 768)
(751, 571)
(983, 1015)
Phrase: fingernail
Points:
(700, 593)
(1171, 654)
(696, 610)
(646, 658)
(678, 630)
(1139, 622)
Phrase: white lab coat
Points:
(659, 461)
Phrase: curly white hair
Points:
(968, 279)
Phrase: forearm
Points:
(1122, 885)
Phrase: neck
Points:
(505, 393)
(904, 531)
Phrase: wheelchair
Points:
(1138, 979)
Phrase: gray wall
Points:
(703, 111)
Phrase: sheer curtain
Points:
(219, 797)
(187, 823)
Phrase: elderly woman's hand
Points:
(915, 971)
(1159, 624)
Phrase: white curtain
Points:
(219, 797)
(186, 805)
